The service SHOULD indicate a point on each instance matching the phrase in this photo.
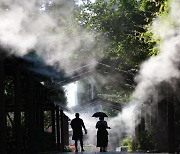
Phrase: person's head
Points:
(101, 118)
(77, 115)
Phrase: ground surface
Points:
(100, 153)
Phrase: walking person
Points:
(102, 134)
(77, 124)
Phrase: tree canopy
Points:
(123, 37)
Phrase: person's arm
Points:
(107, 126)
(84, 127)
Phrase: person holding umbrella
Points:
(102, 133)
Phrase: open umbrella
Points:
(99, 114)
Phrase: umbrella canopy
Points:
(99, 114)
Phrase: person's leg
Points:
(81, 143)
(76, 145)
(101, 149)
(104, 149)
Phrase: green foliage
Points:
(47, 119)
(58, 95)
(127, 142)
(67, 149)
(124, 39)
(145, 140)
(152, 9)
(111, 112)
(116, 96)
(120, 22)
(125, 24)
(9, 89)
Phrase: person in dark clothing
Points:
(77, 124)
(102, 134)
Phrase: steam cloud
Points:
(165, 66)
(45, 26)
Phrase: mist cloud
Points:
(47, 27)
(165, 66)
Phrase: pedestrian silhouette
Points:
(102, 134)
(77, 124)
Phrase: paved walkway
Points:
(98, 153)
(90, 153)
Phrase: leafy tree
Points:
(117, 25)
(146, 140)
(123, 40)
(152, 9)
(120, 22)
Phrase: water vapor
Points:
(46, 27)
(165, 66)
